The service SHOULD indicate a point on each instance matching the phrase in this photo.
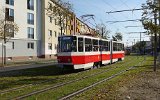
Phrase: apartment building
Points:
(38, 32)
(50, 31)
(83, 29)
(25, 43)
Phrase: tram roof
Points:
(85, 36)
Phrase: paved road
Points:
(11, 68)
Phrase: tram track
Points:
(66, 83)
(99, 82)
(46, 81)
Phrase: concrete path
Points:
(12, 68)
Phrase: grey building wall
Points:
(19, 48)
(39, 27)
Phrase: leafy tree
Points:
(152, 7)
(139, 47)
(118, 36)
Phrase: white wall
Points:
(20, 17)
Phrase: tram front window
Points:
(68, 44)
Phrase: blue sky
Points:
(99, 9)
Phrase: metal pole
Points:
(102, 32)
(2, 55)
(155, 42)
(5, 42)
(140, 43)
(159, 24)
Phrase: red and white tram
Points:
(83, 52)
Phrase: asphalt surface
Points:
(20, 67)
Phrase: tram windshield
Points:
(67, 44)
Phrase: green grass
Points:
(107, 90)
(59, 92)
(24, 77)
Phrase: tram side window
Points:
(80, 44)
(105, 46)
(74, 45)
(122, 47)
(118, 47)
(108, 46)
(88, 45)
(100, 46)
(114, 46)
(95, 45)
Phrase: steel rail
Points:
(38, 83)
(99, 82)
(62, 84)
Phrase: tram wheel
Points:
(94, 66)
(98, 65)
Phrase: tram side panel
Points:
(105, 57)
(117, 52)
(104, 49)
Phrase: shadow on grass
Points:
(41, 71)
(33, 76)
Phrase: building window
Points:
(72, 27)
(50, 33)
(50, 46)
(59, 34)
(55, 20)
(30, 18)
(10, 2)
(9, 14)
(12, 45)
(30, 4)
(50, 19)
(55, 33)
(30, 32)
(30, 45)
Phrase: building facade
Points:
(38, 32)
(24, 43)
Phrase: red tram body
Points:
(83, 52)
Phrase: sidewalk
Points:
(27, 65)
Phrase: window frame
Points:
(50, 46)
(30, 4)
(30, 45)
(30, 18)
(30, 32)
(10, 2)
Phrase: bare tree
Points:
(102, 30)
(62, 11)
(7, 30)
